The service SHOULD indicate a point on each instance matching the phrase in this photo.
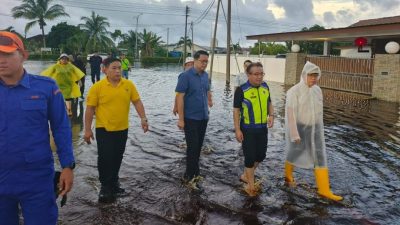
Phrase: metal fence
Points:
(345, 74)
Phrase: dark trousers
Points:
(111, 148)
(95, 75)
(195, 131)
(83, 85)
(254, 146)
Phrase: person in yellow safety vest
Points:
(252, 115)
(125, 66)
(305, 140)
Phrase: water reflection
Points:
(363, 148)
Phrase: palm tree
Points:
(182, 42)
(96, 28)
(129, 41)
(150, 41)
(39, 11)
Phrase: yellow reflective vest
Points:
(254, 112)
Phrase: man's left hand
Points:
(66, 181)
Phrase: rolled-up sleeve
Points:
(60, 127)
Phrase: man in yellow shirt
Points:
(110, 99)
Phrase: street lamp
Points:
(136, 34)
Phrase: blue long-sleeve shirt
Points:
(26, 111)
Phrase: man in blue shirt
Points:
(193, 101)
(28, 105)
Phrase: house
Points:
(376, 32)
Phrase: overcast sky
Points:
(248, 16)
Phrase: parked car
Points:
(282, 56)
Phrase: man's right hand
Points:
(297, 141)
(239, 136)
(88, 136)
(181, 124)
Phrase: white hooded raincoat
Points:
(304, 120)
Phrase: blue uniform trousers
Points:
(32, 190)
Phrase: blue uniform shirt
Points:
(26, 111)
(195, 86)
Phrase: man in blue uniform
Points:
(28, 105)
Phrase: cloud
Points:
(381, 4)
(248, 16)
(329, 18)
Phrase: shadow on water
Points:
(363, 147)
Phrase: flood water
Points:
(363, 148)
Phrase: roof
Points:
(378, 21)
(388, 27)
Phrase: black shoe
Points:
(106, 196)
(120, 192)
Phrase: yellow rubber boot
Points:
(322, 179)
(289, 174)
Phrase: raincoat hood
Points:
(308, 69)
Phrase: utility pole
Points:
(214, 37)
(184, 44)
(192, 48)
(228, 44)
(167, 40)
(136, 34)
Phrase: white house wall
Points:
(274, 68)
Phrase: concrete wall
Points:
(274, 68)
(353, 53)
(294, 66)
(386, 81)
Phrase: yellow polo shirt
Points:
(112, 103)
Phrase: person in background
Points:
(241, 78)
(305, 139)
(193, 102)
(125, 66)
(66, 76)
(110, 100)
(253, 114)
(95, 63)
(189, 61)
(29, 105)
(78, 62)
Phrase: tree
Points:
(150, 41)
(182, 42)
(235, 48)
(95, 27)
(312, 47)
(60, 33)
(116, 35)
(269, 48)
(38, 11)
(129, 41)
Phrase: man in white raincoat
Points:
(305, 130)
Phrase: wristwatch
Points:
(71, 166)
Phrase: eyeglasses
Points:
(258, 74)
(7, 41)
(203, 61)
